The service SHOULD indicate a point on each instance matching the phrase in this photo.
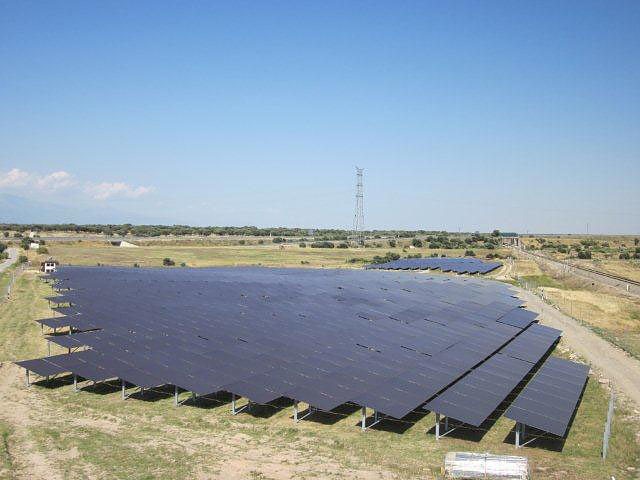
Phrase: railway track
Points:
(593, 271)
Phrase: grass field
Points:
(201, 256)
(614, 316)
(50, 431)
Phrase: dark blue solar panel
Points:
(548, 401)
(387, 340)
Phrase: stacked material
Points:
(465, 465)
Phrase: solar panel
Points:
(476, 396)
(386, 340)
(458, 265)
(549, 400)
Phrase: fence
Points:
(607, 426)
(13, 275)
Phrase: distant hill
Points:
(16, 209)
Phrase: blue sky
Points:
(465, 115)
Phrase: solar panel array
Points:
(476, 396)
(550, 398)
(457, 265)
(384, 340)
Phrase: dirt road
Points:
(13, 256)
(615, 364)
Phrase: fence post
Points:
(607, 426)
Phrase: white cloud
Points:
(14, 178)
(104, 190)
(61, 180)
(55, 180)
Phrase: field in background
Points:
(605, 251)
(75, 435)
(271, 255)
(611, 314)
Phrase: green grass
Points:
(95, 434)
(535, 281)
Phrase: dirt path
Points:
(615, 364)
(13, 256)
(27, 462)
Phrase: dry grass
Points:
(203, 256)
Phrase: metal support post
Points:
(75, 383)
(175, 395)
(28, 382)
(234, 409)
(363, 424)
(517, 435)
(437, 426)
(124, 396)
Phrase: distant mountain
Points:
(16, 209)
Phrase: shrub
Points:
(392, 243)
(135, 265)
(343, 245)
(584, 254)
(42, 250)
(388, 257)
(25, 243)
(322, 245)
(3, 247)
(416, 255)
(416, 242)
(469, 253)
(241, 242)
(23, 259)
(278, 240)
(357, 260)
(302, 245)
(167, 262)
(260, 242)
(624, 256)
(183, 264)
(304, 262)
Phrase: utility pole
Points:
(358, 218)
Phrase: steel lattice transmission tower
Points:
(358, 218)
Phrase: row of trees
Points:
(183, 230)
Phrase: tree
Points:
(495, 233)
(392, 243)
(416, 242)
(25, 243)
(469, 253)
(167, 262)
(23, 259)
(302, 245)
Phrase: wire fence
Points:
(13, 276)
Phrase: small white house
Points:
(34, 246)
(48, 266)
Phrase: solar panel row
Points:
(458, 265)
(388, 341)
(477, 395)
(549, 400)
